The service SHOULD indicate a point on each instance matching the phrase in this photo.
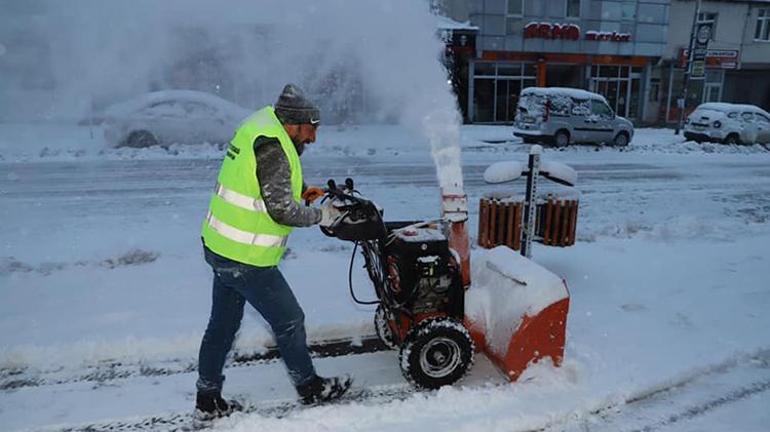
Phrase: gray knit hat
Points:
(293, 107)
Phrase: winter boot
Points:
(320, 390)
(211, 405)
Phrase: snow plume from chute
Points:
(363, 61)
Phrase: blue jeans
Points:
(267, 291)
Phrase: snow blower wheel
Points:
(384, 333)
(435, 353)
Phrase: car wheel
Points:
(621, 140)
(732, 139)
(561, 139)
(140, 139)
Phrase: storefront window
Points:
(608, 71)
(513, 69)
(487, 69)
(619, 85)
(483, 99)
(530, 70)
(496, 89)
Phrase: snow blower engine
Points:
(418, 283)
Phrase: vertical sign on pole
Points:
(681, 103)
(700, 48)
(529, 215)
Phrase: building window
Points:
(514, 7)
(709, 19)
(573, 8)
(762, 32)
(628, 11)
(513, 14)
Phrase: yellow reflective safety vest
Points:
(237, 225)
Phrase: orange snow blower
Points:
(421, 273)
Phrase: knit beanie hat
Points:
(293, 107)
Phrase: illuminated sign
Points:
(546, 30)
(607, 36)
(551, 31)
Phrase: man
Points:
(252, 212)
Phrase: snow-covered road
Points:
(100, 268)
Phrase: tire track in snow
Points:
(107, 372)
(672, 402)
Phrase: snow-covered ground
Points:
(104, 294)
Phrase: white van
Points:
(728, 123)
(561, 116)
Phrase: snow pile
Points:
(506, 287)
(501, 172)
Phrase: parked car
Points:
(728, 123)
(561, 116)
(171, 116)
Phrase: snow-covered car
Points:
(560, 116)
(728, 123)
(171, 116)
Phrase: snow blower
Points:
(420, 271)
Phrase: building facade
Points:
(607, 46)
(737, 66)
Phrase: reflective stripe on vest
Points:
(238, 226)
(240, 200)
(244, 237)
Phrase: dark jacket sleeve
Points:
(274, 177)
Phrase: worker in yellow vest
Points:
(256, 204)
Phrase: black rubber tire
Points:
(561, 143)
(384, 333)
(140, 139)
(732, 139)
(437, 352)
(624, 140)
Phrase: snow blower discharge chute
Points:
(515, 311)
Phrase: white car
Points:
(561, 116)
(172, 116)
(728, 123)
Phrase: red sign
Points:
(551, 31)
(546, 30)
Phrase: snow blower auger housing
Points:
(418, 283)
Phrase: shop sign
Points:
(608, 36)
(459, 41)
(715, 58)
(698, 69)
(546, 30)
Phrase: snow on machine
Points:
(426, 306)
